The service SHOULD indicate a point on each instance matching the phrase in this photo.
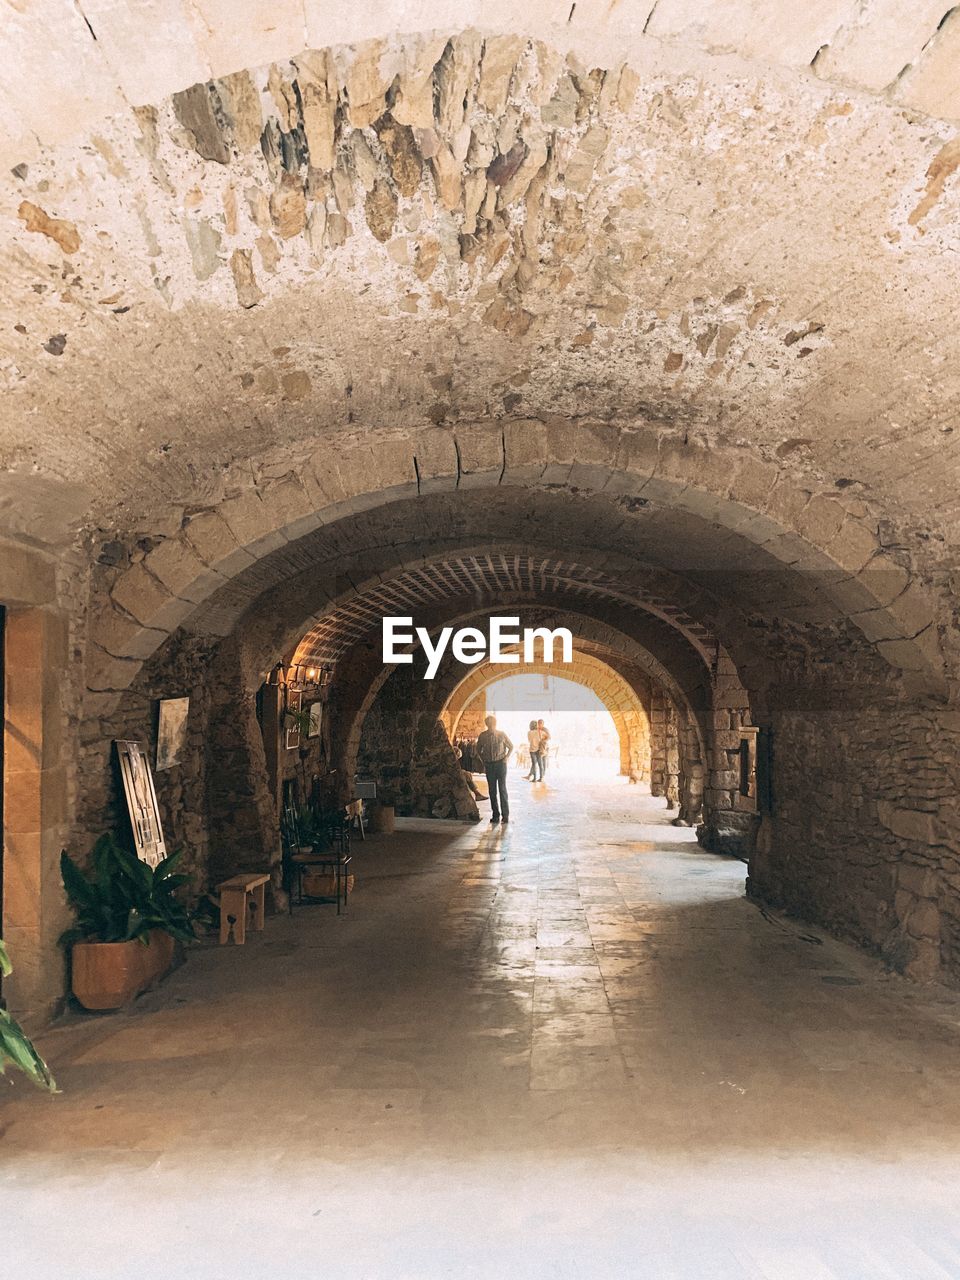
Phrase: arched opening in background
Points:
(585, 740)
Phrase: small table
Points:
(237, 894)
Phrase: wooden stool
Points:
(235, 895)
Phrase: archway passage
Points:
(724, 634)
(580, 997)
(633, 318)
(601, 716)
(677, 692)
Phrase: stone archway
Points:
(688, 409)
(848, 575)
(694, 775)
(626, 710)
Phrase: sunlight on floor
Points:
(570, 1047)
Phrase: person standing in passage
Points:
(536, 760)
(493, 748)
(544, 733)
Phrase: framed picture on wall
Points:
(316, 719)
(171, 731)
(141, 802)
(291, 721)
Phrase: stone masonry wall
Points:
(471, 721)
(863, 837)
(177, 670)
(405, 748)
(664, 752)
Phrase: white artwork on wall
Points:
(316, 719)
(171, 731)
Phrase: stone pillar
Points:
(691, 779)
(35, 812)
(664, 748)
(243, 816)
(727, 827)
(405, 749)
(658, 741)
(671, 788)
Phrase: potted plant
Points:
(16, 1048)
(128, 917)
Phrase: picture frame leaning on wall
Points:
(141, 800)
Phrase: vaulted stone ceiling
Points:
(611, 218)
(492, 580)
(470, 549)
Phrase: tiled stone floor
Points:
(567, 1048)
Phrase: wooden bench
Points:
(238, 895)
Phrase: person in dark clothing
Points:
(494, 748)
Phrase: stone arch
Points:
(697, 781)
(132, 65)
(823, 543)
(801, 554)
(622, 702)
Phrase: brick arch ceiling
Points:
(481, 577)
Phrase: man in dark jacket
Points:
(494, 748)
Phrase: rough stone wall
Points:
(312, 757)
(405, 748)
(864, 830)
(242, 812)
(664, 748)
(177, 670)
(728, 827)
(96, 60)
(471, 720)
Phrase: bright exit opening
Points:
(582, 730)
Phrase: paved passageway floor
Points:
(565, 1048)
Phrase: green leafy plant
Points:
(122, 898)
(16, 1048)
(299, 721)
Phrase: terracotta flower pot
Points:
(107, 975)
(161, 951)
